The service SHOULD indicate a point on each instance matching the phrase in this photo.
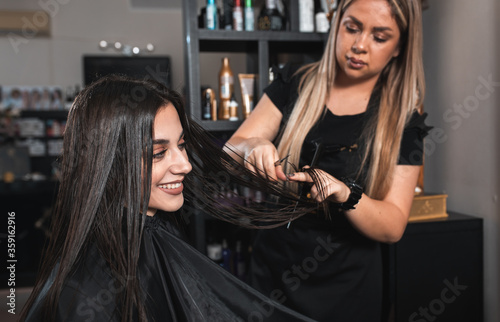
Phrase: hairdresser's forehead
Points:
(167, 125)
(375, 12)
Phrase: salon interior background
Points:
(461, 50)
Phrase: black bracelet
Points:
(354, 196)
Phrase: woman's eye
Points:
(160, 154)
(378, 39)
(182, 146)
(351, 29)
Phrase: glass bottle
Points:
(237, 16)
(249, 16)
(212, 16)
(226, 89)
(306, 15)
(207, 107)
(270, 17)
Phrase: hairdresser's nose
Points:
(360, 44)
(181, 164)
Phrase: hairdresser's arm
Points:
(253, 140)
(382, 220)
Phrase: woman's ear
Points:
(396, 51)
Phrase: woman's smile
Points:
(174, 188)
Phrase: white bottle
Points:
(306, 15)
(249, 16)
(322, 23)
(237, 16)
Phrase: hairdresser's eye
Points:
(160, 154)
(379, 39)
(351, 28)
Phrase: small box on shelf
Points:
(428, 206)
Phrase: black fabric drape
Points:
(178, 282)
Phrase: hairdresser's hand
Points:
(333, 189)
(261, 156)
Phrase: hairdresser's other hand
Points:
(333, 189)
(261, 157)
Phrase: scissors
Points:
(304, 188)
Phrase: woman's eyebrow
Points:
(382, 29)
(161, 141)
(356, 21)
(165, 141)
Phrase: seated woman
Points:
(116, 252)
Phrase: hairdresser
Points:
(353, 117)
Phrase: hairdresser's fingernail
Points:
(290, 175)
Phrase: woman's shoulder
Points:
(411, 152)
(288, 72)
(417, 122)
(283, 91)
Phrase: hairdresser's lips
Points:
(355, 63)
(172, 188)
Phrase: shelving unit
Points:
(261, 49)
(43, 163)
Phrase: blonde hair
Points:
(402, 87)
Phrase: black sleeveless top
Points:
(323, 268)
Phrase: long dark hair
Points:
(106, 179)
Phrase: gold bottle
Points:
(226, 89)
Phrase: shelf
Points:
(220, 125)
(231, 35)
(59, 114)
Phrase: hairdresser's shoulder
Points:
(287, 72)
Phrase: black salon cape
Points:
(180, 283)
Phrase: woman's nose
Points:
(181, 164)
(359, 45)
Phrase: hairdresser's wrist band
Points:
(354, 196)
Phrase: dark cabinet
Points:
(435, 272)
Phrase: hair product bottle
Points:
(270, 17)
(226, 89)
(214, 252)
(226, 257)
(208, 105)
(306, 15)
(237, 16)
(320, 16)
(249, 16)
(211, 17)
(233, 109)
